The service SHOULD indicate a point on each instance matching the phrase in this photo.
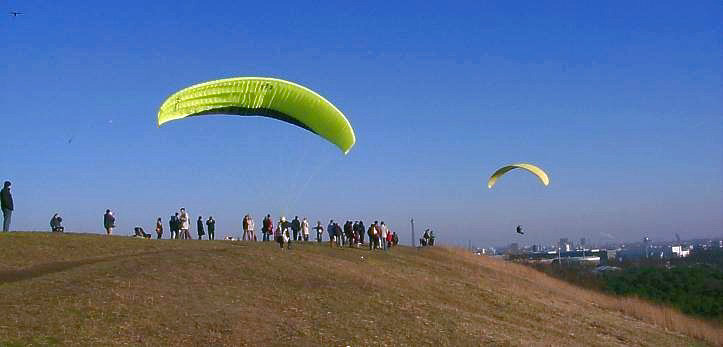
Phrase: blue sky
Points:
(619, 102)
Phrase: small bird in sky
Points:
(15, 13)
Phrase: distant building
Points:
(484, 251)
(564, 245)
(677, 252)
(647, 244)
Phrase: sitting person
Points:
(55, 224)
(140, 233)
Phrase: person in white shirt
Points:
(383, 237)
(185, 224)
(251, 228)
(305, 229)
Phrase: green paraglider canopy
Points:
(261, 96)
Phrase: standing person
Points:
(319, 230)
(108, 222)
(395, 239)
(355, 230)
(245, 227)
(348, 233)
(6, 203)
(199, 227)
(252, 228)
(351, 238)
(339, 235)
(185, 223)
(377, 234)
(370, 233)
(383, 235)
(389, 238)
(362, 231)
(211, 228)
(330, 231)
(277, 234)
(159, 228)
(296, 227)
(282, 233)
(173, 226)
(305, 229)
(267, 227)
(357, 234)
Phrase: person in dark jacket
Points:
(295, 227)
(159, 228)
(319, 231)
(349, 233)
(267, 228)
(362, 231)
(199, 227)
(370, 233)
(139, 232)
(108, 222)
(6, 202)
(211, 228)
(55, 225)
(173, 226)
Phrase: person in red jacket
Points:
(390, 238)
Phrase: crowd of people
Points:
(349, 235)
(179, 226)
(284, 232)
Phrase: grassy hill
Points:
(93, 289)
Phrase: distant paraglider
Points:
(529, 167)
(519, 230)
(267, 97)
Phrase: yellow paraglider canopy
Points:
(529, 167)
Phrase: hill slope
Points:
(93, 289)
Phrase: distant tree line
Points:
(694, 285)
(694, 289)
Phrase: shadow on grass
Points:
(10, 276)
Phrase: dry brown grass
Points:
(95, 290)
(666, 317)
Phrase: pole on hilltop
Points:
(412, 221)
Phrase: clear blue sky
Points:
(621, 103)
